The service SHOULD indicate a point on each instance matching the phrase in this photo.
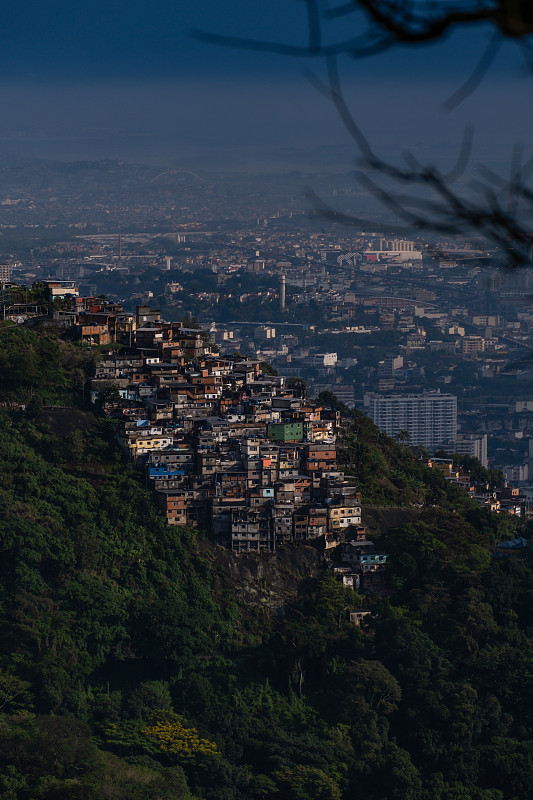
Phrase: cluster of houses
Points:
(228, 446)
(231, 448)
(508, 498)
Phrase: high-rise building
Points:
(5, 273)
(428, 419)
(472, 445)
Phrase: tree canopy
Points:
(139, 660)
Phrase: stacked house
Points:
(223, 445)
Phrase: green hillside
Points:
(140, 660)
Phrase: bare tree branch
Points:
(391, 22)
(500, 216)
(448, 212)
(477, 75)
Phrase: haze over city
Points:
(266, 400)
(128, 80)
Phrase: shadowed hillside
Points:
(140, 660)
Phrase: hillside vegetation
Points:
(131, 667)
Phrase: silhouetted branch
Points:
(410, 22)
(426, 21)
(332, 214)
(390, 22)
(444, 212)
(332, 90)
(477, 75)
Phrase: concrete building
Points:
(317, 360)
(475, 446)
(472, 345)
(264, 332)
(61, 289)
(394, 250)
(391, 364)
(428, 419)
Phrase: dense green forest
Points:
(132, 667)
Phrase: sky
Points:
(127, 80)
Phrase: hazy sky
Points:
(125, 79)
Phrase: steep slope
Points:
(139, 660)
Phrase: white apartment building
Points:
(320, 360)
(475, 446)
(429, 419)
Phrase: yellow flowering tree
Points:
(179, 741)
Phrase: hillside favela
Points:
(266, 493)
